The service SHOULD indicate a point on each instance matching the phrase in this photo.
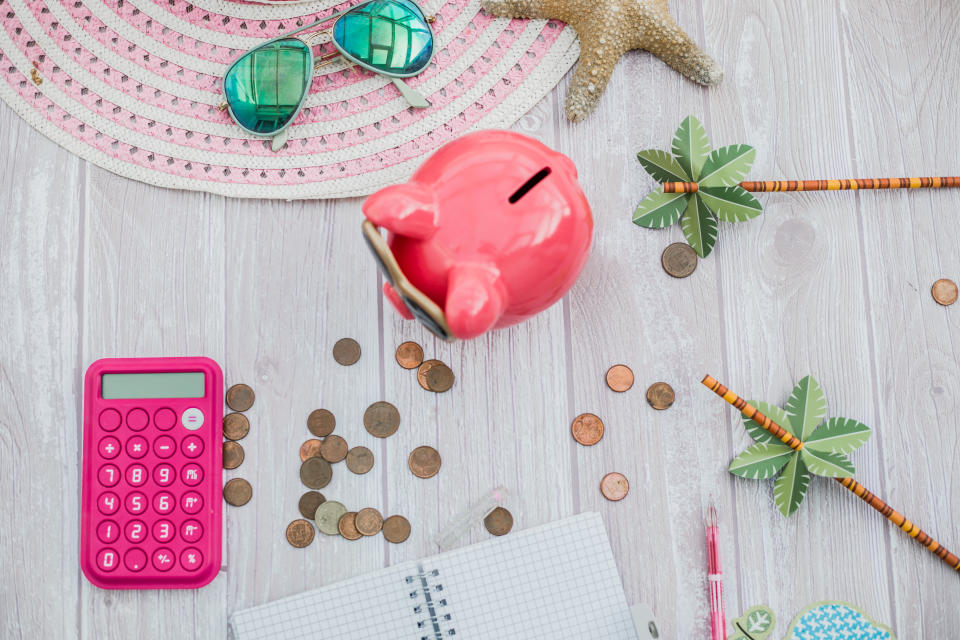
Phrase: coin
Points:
(321, 422)
(587, 429)
(315, 473)
(346, 351)
(679, 260)
(232, 455)
(660, 396)
(240, 397)
(310, 449)
(499, 521)
(347, 526)
(237, 492)
(235, 426)
(424, 462)
(359, 460)
(369, 521)
(619, 378)
(381, 419)
(300, 533)
(422, 370)
(944, 291)
(309, 502)
(333, 449)
(409, 355)
(396, 529)
(435, 376)
(328, 517)
(614, 486)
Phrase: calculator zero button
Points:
(107, 531)
(109, 447)
(192, 418)
(107, 560)
(191, 502)
(164, 419)
(135, 559)
(137, 419)
(164, 447)
(108, 503)
(137, 447)
(163, 559)
(108, 475)
(191, 559)
(192, 446)
(109, 419)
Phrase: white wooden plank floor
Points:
(833, 284)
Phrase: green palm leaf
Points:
(761, 460)
(731, 204)
(660, 209)
(775, 413)
(699, 227)
(691, 146)
(727, 166)
(791, 486)
(831, 465)
(838, 435)
(662, 166)
(806, 407)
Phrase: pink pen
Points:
(718, 623)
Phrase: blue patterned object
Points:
(836, 621)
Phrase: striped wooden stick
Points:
(828, 185)
(749, 411)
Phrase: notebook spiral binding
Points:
(426, 592)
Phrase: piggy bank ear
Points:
(475, 300)
(406, 209)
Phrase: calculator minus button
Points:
(192, 418)
(164, 447)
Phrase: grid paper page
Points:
(556, 581)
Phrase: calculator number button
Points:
(163, 559)
(164, 475)
(163, 503)
(137, 447)
(163, 530)
(109, 419)
(191, 559)
(191, 474)
(108, 531)
(137, 475)
(191, 531)
(164, 447)
(192, 446)
(191, 502)
(108, 475)
(135, 531)
(136, 502)
(109, 447)
(164, 419)
(108, 503)
(137, 419)
(135, 560)
(107, 560)
(192, 419)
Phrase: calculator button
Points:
(108, 531)
(135, 531)
(191, 502)
(109, 447)
(164, 446)
(191, 474)
(163, 559)
(191, 559)
(164, 419)
(137, 475)
(164, 475)
(135, 559)
(163, 503)
(109, 419)
(192, 418)
(191, 531)
(163, 530)
(192, 446)
(136, 502)
(137, 447)
(107, 560)
(137, 419)
(108, 503)
(108, 475)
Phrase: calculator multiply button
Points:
(137, 447)
(108, 503)
(136, 475)
(108, 475)
(136, 503)
(109, 419)
(135, 559)
(136, 531)
(164, 446)
(191, 474)
(163, 559)
(137, 419)
(163, 531)
(164, 419)
(109, 447)
(192, 418)
(107, 531)
(191, 502)
(192, 446)
(164, 474)
(191, 559)
(107, 560)
(163, 503)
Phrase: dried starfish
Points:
(609, 29)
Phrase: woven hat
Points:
(134, 85)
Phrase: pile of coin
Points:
(236, 426)
(317, 454)
(433, 375)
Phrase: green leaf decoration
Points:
(660, 209)
(775, 413)
(761, 460)
(662, 166)
(838, 435)
(756, 623)
(691, 146)
(727, 166)
(699, 227)
(830, 465)
(731, 204)
(791, 486)
(806, 407)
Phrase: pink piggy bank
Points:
(490, 230)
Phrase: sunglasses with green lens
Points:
(266, 87)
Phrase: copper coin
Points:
(346, 351)
(944, 291)
(232, 455)
(309, 502)
(619, 377)
(300, 533)
(499, 521)
(381, 419)
(310, 449)
(237, 492)
(347, 526)
(587, 429)
(396, 529)
(679, 260)
(333, 449)
(424, 462)
(235, 426)
(614, 486)
(240, 397)
(409, 355)
(369, 521)
(321, 422)
(315, 473)
(359, 460)
(435, 376)
(660, 396)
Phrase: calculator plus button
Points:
(191, 559)
(163, 503)
(164, 447)
(163, 559)
(109, 447)
(109, 419)
(107, 560)
(108, 475)
(164, 475)
(192, 446)
(108, 531)
(136, 502)
(135, 559)
(191, 531)
(135, 531)
(137, 419)
(164, 419)
(163, 530)
(192, 418)
(137, 447)
(137, 475)
(191, 502)
(108, 503)
(191, 474)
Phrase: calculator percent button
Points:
(109, 447)
(164, 447)
(191, 531)
(191, 502)
(108, 475)
(136, 503)
(164, 474)
(163, 531)
(192, 418)
(137, 447)
(107, 531)
(109, 419)
(164, 419)
(192, 446)
(191, 474)
(191, 559)
(135, 559)
(135, 531)
(163, 503)
(107, 560)
(163, 559)
(137, 475)
(137, 419)
(108, 503)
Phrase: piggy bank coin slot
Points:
(525, 188)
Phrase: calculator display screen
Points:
(120, 386)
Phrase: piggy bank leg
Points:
(475, 300)
(395, 300)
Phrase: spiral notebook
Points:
(555, 581)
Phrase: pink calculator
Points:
(151, 478)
